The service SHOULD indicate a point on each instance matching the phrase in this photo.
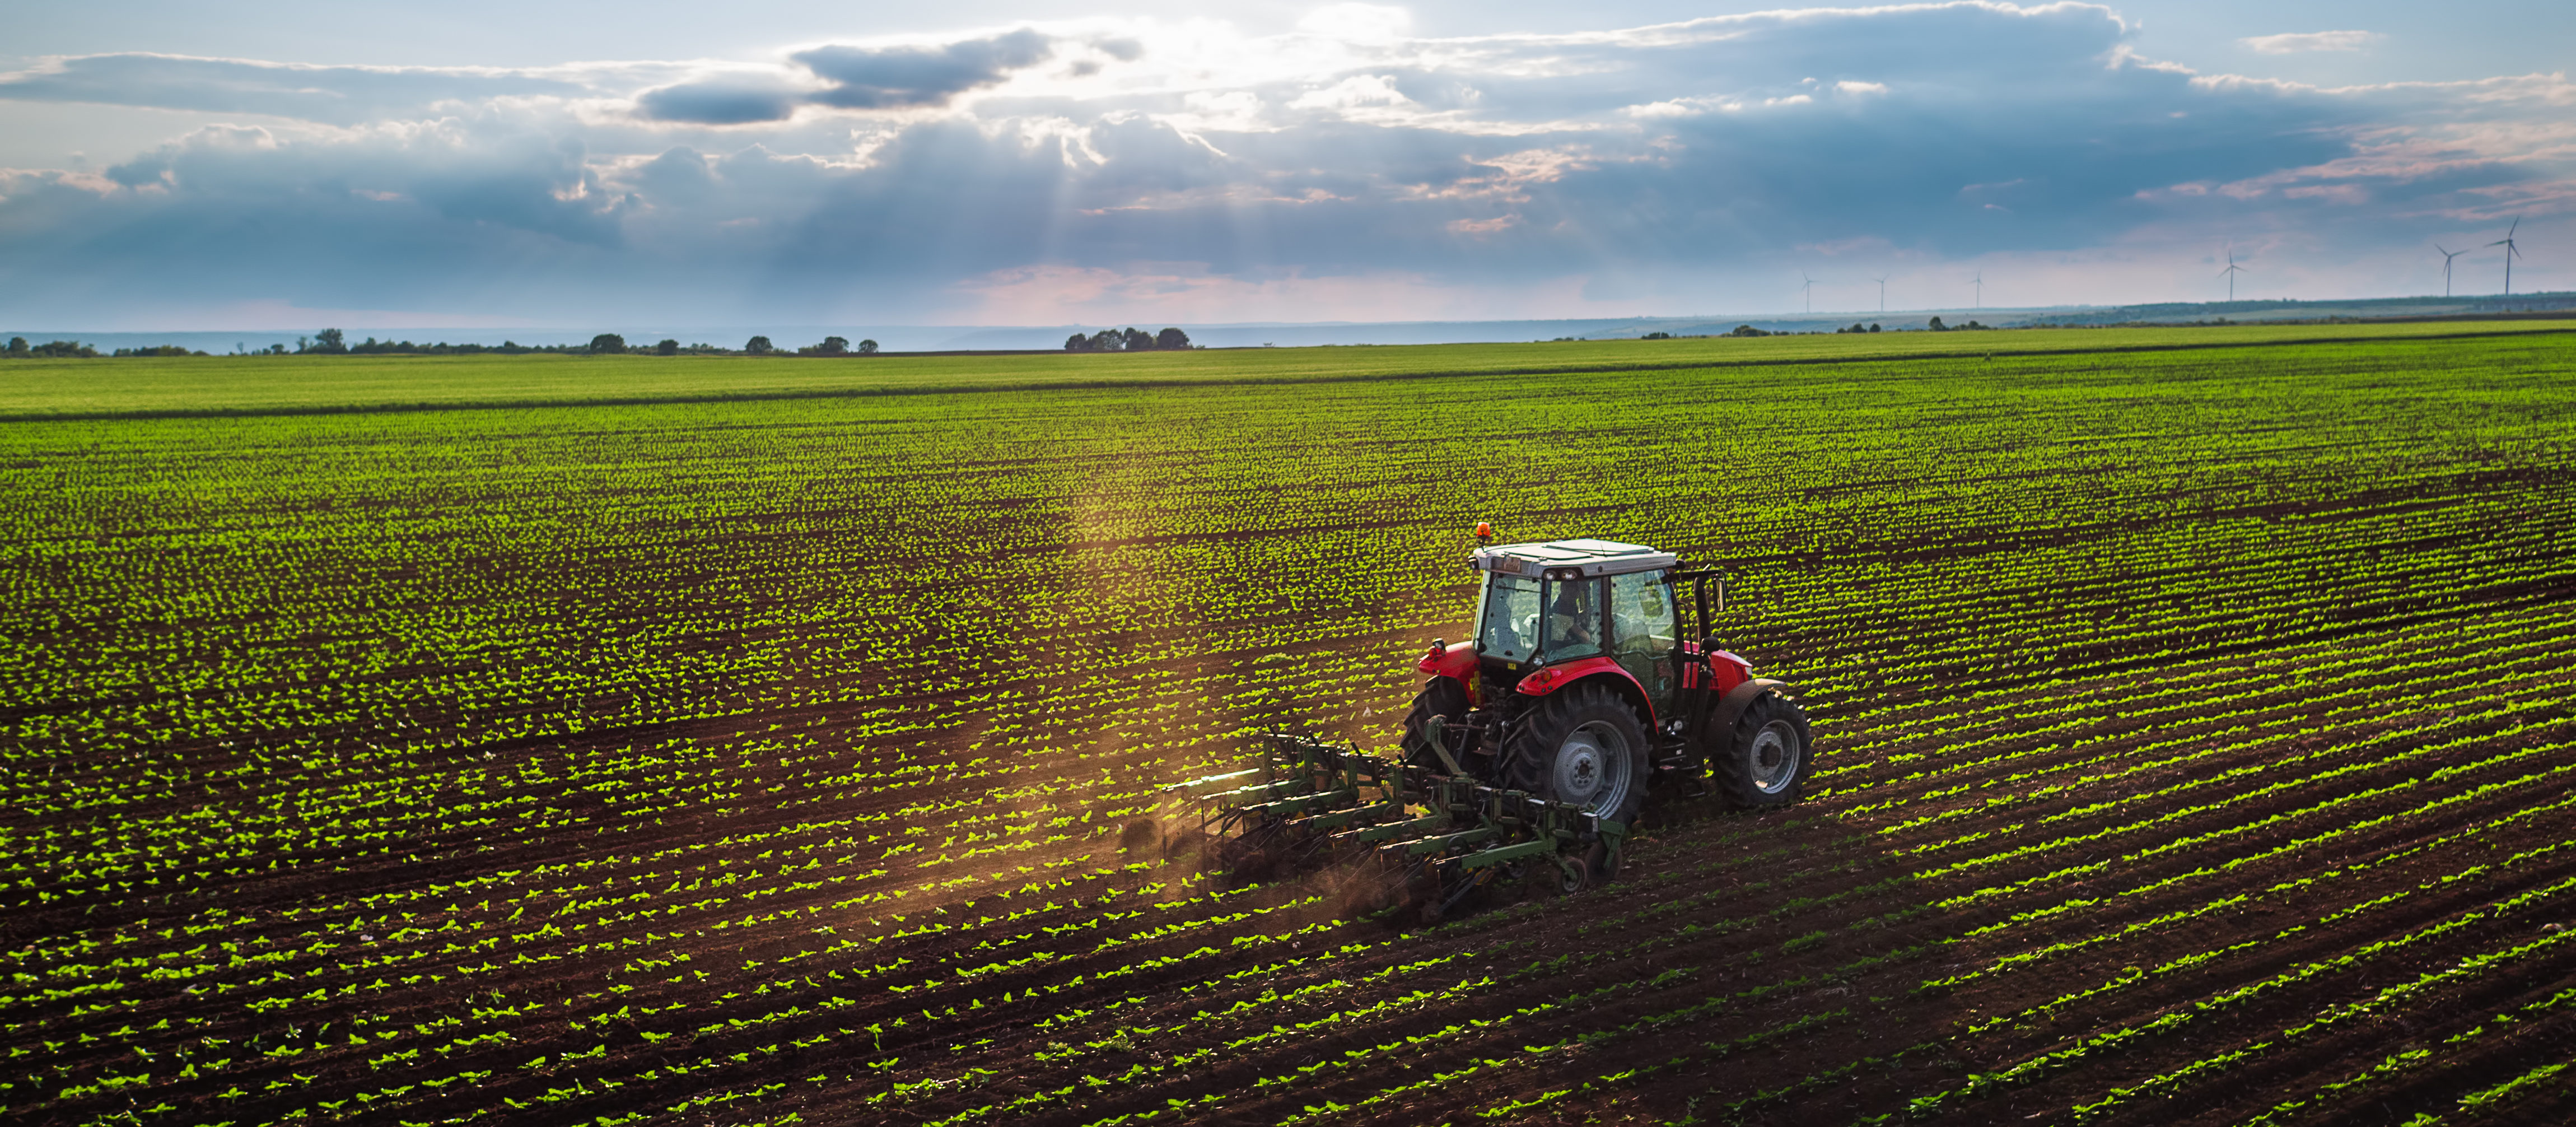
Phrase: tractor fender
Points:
(1550, 678)
(1726, 671)
(1456, 660)
(1730, 708)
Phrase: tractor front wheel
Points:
(1766, 759)
(1584, 746)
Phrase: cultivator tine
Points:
(1397, 831)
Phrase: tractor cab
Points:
(1563, 601)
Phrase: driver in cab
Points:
(1574, 622)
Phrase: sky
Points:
(182, 164)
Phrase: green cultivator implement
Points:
(1435, 839)
(1531, 748)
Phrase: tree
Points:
(1873, 326)
(329, 342)
(17, 346)
(1077, 343)
(1136, 340)
(759, 346)
(608, 343)
(668, 347)
(1746, 331)
(867, 348)
(831, 346)
(1171, 338)
(1938, 327)
(1108, 340)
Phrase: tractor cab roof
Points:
(1559, 557)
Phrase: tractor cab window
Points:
(1508, 629)
(1641, 615)
(1573, 619)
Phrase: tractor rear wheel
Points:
(1765, 760)
(1585, 746)
(1443, 697)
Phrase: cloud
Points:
(898, 77)
(857, 78)
(720, 102)
(2296, 42)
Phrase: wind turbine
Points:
(2510, 252)
(2231, 272)
(1808, 284)
(1980, 282)
(1882, 294)
(2447, 256)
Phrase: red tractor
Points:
(1579, 687)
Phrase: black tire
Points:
(1443, 697)
(1582, 745)
(1767, 758)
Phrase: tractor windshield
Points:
(1508, 628)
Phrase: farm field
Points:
(2195, 734)
(223, 385)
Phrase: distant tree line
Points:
(19, 349)
(332, 342)
(1127, 340)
